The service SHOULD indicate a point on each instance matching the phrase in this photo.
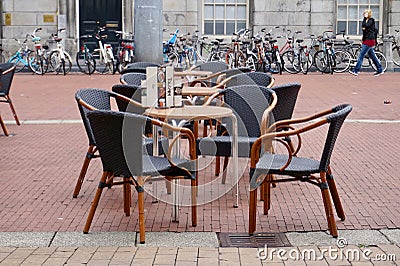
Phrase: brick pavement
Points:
(40, 164)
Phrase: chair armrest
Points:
(268, 137)
(7, 71)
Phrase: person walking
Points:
(368, 43)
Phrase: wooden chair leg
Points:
(226, 160)
(95, 202)
(193, 184)
(127, 196)
(14, 113)
(328, 205)
(3, 126)
(217, 165)
(335, 195)
(267, 194)
(89, 156)
(168, 186)
(142, 227)
(252, 211)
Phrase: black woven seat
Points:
(138, 67)
(296, 168)
(7, 71)
(133, 78)
(120, 143)
(101, 100)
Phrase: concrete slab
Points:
(346, 237)
(185, 239)
(25, 239)
(392, 234)
(94, 239)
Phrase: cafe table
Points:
(196, 113)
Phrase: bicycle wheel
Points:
(321, 62)
(58, 64)
(218, 56)
(290, 62)
(272, 64)
(101, 65)
(304, 62)
(342, 60)
(381, 59)
(253, 63)
(85, 62)
(235, 59)
(37, 63)
(396, 55)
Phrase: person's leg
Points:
(363, 52)
(375, 60)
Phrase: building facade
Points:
(211, 17)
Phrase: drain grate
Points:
(255, 241)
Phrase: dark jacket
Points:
(368, 29)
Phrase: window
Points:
(349, 14)
(224, 17)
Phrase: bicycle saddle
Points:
(272, 41)
(57, 39)
(299, 40)
(219, 40)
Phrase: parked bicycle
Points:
(103, 54)
(20, 58)
(60, 60)
(84, 58)
(395, 47)
(39, 59)
(125, 52)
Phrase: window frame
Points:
(224, 3)
(378, 18)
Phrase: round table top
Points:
(190, 112)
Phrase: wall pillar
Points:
(148, 21)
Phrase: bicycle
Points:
(20, 58)
(84, 59)
(234, 56)
(395, 47)
(38, 60)
(104, 53)
(60, 60)
(125, 51)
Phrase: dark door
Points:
(100, 12)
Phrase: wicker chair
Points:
(119, 140)
(90, 99)
(252, 106)
(258, 78)
(132, 78)
(138, 67)
(298, 168)
(7, 71)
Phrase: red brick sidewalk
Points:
(40, 164)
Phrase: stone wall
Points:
(21, 17)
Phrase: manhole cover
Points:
(255, 241)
